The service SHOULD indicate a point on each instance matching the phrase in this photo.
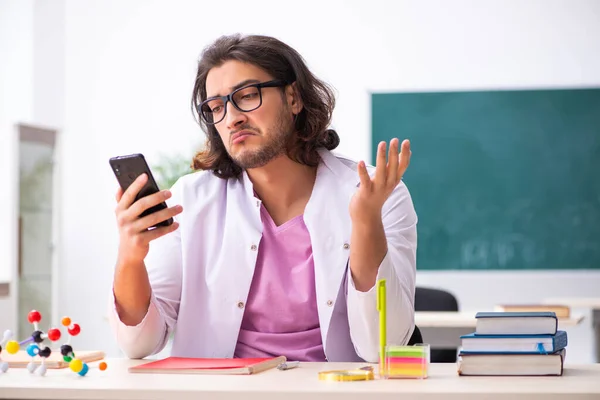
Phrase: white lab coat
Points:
(201, 273)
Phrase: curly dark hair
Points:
(283, 63)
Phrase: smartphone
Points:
(126, 169)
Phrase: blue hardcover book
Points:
(511, 344)
(516, 323)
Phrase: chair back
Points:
(427, 299)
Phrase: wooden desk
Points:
(443, 329)
(575, 302)
(593, 303)
(578, 382)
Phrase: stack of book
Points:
(513, 343)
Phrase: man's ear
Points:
(293, 98)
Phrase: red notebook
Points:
(208, 366)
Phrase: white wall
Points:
(49, 111)
(31, 91)
(16, 105)
(129, 70)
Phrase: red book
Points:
(215, 366)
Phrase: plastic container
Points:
(408, 362)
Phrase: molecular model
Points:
(37, 347)
(3, 364)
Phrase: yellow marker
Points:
(381, 307)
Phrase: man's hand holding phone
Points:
(134, 231)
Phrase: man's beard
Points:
(275, 147)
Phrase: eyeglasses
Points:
(245, 99)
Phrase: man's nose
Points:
(234, 117)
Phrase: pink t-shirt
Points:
(281, 315)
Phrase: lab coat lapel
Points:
(242, 232)
(328, 221)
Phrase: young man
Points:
(278, 243)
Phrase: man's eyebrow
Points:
(237, 86)
(244, 83)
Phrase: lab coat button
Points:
(346, 246)
(240, 304)
(329, 303)
(253, 247)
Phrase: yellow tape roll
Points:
(347, 375)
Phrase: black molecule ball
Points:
(45, 352)
(37, 336)
(66, 349)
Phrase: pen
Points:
(284, 366)
(381, 307)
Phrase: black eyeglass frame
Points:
(229, 98)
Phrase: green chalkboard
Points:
(500, 180)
